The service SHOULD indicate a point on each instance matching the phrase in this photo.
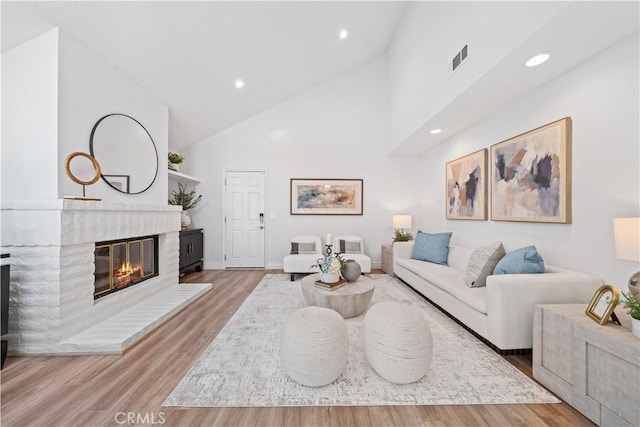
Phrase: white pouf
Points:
(398, 342)
(314, 346)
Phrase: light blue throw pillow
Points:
(431, 247)
(525, 260)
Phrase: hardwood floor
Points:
(106, 390)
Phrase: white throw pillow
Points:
(349, 247)
(303, 248)
(482, 262)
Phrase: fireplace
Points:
(123, 263)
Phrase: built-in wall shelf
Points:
(182, 177)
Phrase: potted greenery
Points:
(174, 161)
(402, 236)
(632, 302)
(187, 200)
(330, 267)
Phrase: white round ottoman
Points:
(398, 342)
(314, 346)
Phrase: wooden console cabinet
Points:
(594, 368)
(191, 249)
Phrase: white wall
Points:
(91, 88)
(429, 36)
(602, 97)
(335, 130)
(29, 119)
(53, 91)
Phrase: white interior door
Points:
(244, 219)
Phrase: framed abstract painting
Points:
(326, 196)
(531, 175)
(466, 186)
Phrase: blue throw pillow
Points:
(521, 261)
(431, 247)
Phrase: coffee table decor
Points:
(330, 286)
(330, 266)
(351, 270)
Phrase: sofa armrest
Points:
(511, 299)
(402, 250)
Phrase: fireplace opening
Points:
(124, 263)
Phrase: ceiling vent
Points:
(458, 60)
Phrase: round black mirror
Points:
(126, 152)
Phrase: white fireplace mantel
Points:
(52, 245)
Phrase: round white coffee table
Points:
(349, 300)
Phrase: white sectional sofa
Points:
(501, 312)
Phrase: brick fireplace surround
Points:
(51, 304)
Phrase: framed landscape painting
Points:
(531, 175)
(466, 186)
(326, 196)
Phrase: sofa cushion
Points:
(349, 247)
(431, 247)
(449, 280)
(521, 261)
(482, 263)
(303, 248)
(459, 257)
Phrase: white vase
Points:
(185, 219)
(174, 166)
(329, 277)
(635, 327)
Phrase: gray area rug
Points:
(241, 367)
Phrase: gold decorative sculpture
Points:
(79, 180)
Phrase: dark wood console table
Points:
(191, 249)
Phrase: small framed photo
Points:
(119, 182)
(603, 303)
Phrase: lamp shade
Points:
(627, 236)
(401, 221)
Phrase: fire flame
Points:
(125, 269)
(127, 273)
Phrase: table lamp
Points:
(401, 222)
(627, 237)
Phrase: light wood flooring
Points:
(104, 390)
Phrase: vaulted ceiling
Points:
(189, 54)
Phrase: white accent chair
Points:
(357, 255)
(302, 262)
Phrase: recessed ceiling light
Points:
(343, 34)
(239, 84)
(537, 59)
(435, 131)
